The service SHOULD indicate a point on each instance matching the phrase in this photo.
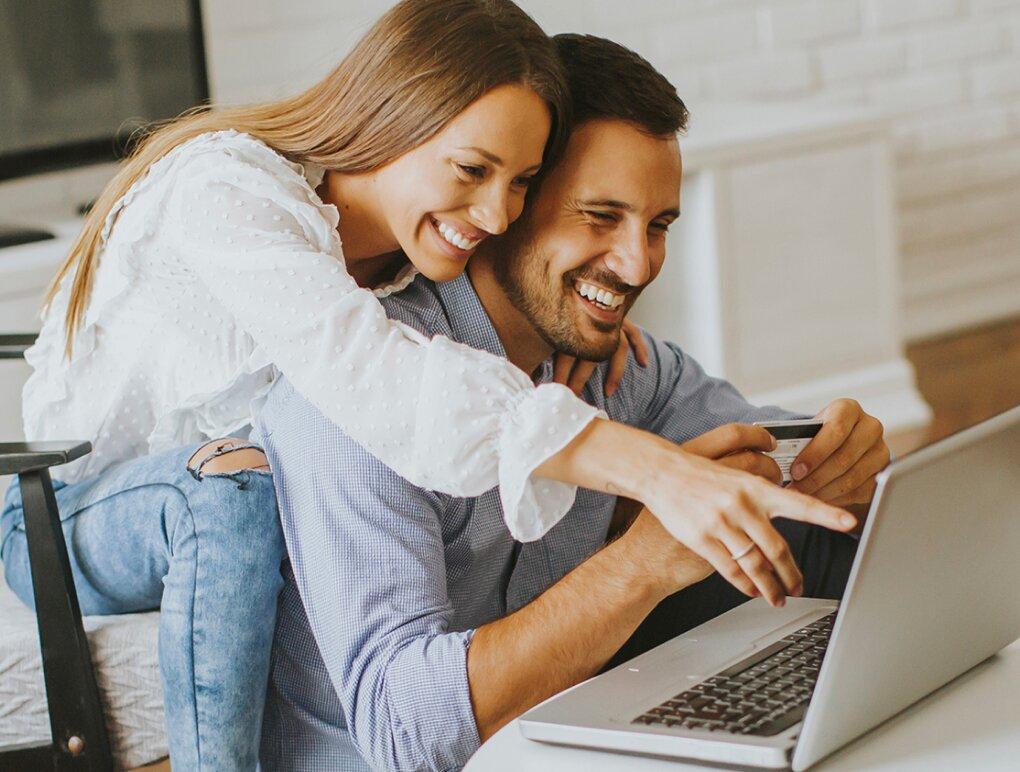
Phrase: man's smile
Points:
(601, 304)
(599, 296)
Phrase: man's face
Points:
(597, 225)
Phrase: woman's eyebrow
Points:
(490, 157)
(494, 159)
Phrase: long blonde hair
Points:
(419, 66)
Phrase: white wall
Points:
(949, 70)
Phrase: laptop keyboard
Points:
(762, 695)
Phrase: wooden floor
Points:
(966, 378)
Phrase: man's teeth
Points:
(600, 296)
(456, 238)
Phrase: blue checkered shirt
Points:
(387, 581)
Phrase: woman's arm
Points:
(444, 416)
(713, 508)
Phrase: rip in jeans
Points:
(222, 449)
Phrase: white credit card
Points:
(791, 438)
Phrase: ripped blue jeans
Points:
(205, 548)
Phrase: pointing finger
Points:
(783, 502)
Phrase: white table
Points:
(971, 723)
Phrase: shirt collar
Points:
(470, 324)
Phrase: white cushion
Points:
(125, 657)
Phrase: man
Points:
(411, 625)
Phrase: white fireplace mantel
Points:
(781, 272)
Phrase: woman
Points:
(213, 262)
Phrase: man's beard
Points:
(523, 273)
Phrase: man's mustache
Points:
(605, 279)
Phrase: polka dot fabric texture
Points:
(222, 268)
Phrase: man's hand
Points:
(840, 464)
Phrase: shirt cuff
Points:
(436, 727)
(542, 423)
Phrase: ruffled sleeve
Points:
(444, 416)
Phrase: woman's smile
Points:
(456, 240)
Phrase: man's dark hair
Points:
(608, 80)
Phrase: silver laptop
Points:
(932, 593)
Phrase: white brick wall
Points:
(808, 22)
(887, 14)
(958, 43)
(996, 79)
(706, 39)
(859, 61)
(949, 69)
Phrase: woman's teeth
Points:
(456, 238)
(600, 297)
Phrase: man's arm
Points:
(367, 553)
(570, 631)
(712, 508)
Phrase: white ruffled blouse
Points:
(221, 269)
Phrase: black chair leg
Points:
(76, 714)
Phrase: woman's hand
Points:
(723, 513)
(720, 512)
(574, 373)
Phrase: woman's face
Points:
(466, 183)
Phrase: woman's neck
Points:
(371, 251)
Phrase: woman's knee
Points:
(227, 456)
(235, 495)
